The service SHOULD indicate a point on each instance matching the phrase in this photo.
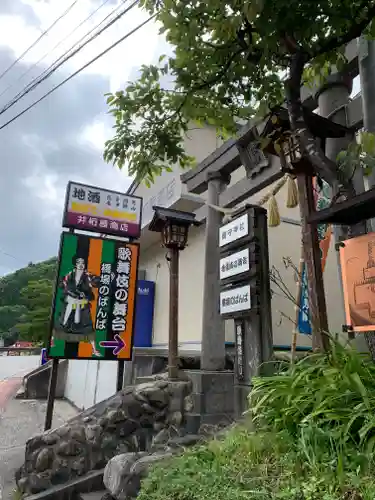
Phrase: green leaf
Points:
(228, 63)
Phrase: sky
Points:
(62, 138)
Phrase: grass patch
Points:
(249, 465)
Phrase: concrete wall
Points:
(168, 188)
(284, 241)
(17, 366)
(89, 382)
(190, 293)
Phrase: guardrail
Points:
(17, 351)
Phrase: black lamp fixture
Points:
(173, 225)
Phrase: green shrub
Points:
(325, 403)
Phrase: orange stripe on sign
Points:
(128, 333)
(93, 267)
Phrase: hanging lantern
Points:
(173, 225)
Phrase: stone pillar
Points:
(213, 331)
(333, 97)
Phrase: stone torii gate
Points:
(213, 175)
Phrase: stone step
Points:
(94, 495)
(143, 380)
(91, 482)
(21, 393)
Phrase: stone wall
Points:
(123, 473)
(127, 422)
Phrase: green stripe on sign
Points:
(68, 250)
(108, 257)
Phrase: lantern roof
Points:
(277, 124)
(178, 217)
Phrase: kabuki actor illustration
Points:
(75, 322)
(357, 257)
(94, 304)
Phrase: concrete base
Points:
(241, 402)
(211, 401)
(36, 383)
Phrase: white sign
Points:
(163, 198)
(234, 300)
(101, 211)
(234, 230)
(234, 264)
(239, 349)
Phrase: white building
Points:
(89, 382)
(284, 241)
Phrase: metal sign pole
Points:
(51, 394)
(245, 296)
(120, 375)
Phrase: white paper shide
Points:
(234, 264)
(234, 230)
(235, 300)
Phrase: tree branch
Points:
(203, 85)
(324, 167)
(354, 32)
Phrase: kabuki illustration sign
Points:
(94, 304)
(98, 210)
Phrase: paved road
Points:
(19, 420)
(8, 389)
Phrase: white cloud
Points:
(95, 134)
(136, 50)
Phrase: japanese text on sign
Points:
(102, 211)
(104, 296)
(235, 300)
(96, 198)
(98, 223)
(234, 264)
(239, 351)
(236, 229)
(163, 198)
(257, 156)
(120, 305)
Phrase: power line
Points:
(56, 46)
(38, 39)
(78, 71)
(45, 75)
(63, 55)
(8, 254)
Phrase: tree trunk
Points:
(327, 170)
(313, 263)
